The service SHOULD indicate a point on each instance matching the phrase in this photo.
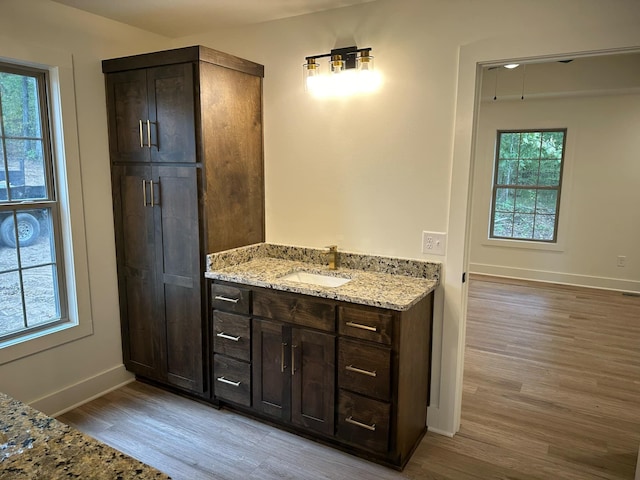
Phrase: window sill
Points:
(41, 340)
(524, 244)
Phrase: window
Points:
(32, 292)
(526, 185)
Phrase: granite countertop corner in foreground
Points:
(35, 446)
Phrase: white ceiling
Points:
(178, 18)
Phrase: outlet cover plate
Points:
(434, 243)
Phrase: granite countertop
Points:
(35, 446)
(377, 281)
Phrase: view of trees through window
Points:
(526, 186)
(29, 268)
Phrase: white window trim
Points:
(563, 215)
(64, 133)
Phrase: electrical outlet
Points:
(622, 261)
(434, 243)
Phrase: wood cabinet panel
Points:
(139, 296)
(234, 190)
(128, 109)
(363, 422)
(171, 100)
(178, 265)
(271, 368)
(295, 309)
(151, 114)
(364, 368)
(366, 324)
(313, 380)
(230, 298)
(232, 335)
(232, 380)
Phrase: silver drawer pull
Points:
(359, 424)
(362, 327)
(228, 337)
(228, 382)
(226, 299)
(351, 368)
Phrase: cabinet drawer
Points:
(232, 335)
(366, 324)
(232, 380)
(363, 422)
(230, 298)
(364, 368)
(295, 309)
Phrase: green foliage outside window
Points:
(527, 181)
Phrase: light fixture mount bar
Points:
(348, 54)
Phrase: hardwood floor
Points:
(551, 391)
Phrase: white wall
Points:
(58, 378)
(599, 217)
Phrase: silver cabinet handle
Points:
(282, 365)
(148, 134)
(362, 327)
(351, 368)
(228, 337)
(141, 141)
(152, 194)
(228, 382)
(226, 299)
(350, 420)
(144, 193)
(293, 359)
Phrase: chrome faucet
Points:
(333, 257)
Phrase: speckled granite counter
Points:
(35, 446)
(383, 282)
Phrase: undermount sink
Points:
(315, 279)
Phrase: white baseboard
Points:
(73, 396)
(437, 422)
(441, 432)
(623, 285)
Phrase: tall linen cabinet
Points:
(185, 144)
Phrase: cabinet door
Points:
(151, 114)
(142, 322)
(271, 368)
(127, 111)
(313, 380)
(171, 114)
(175, 200)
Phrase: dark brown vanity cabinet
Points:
(293, 375)
(152, 114)
(231, 344)
(185, 143)
(159, 281)
(294, 359)
(353, 376)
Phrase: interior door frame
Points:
(472, 57)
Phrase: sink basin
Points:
(315, 279)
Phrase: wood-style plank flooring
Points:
(551, 391)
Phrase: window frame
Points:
(495, 186)
(68, 175)
(48, 202)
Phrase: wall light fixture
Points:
(350, 71)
